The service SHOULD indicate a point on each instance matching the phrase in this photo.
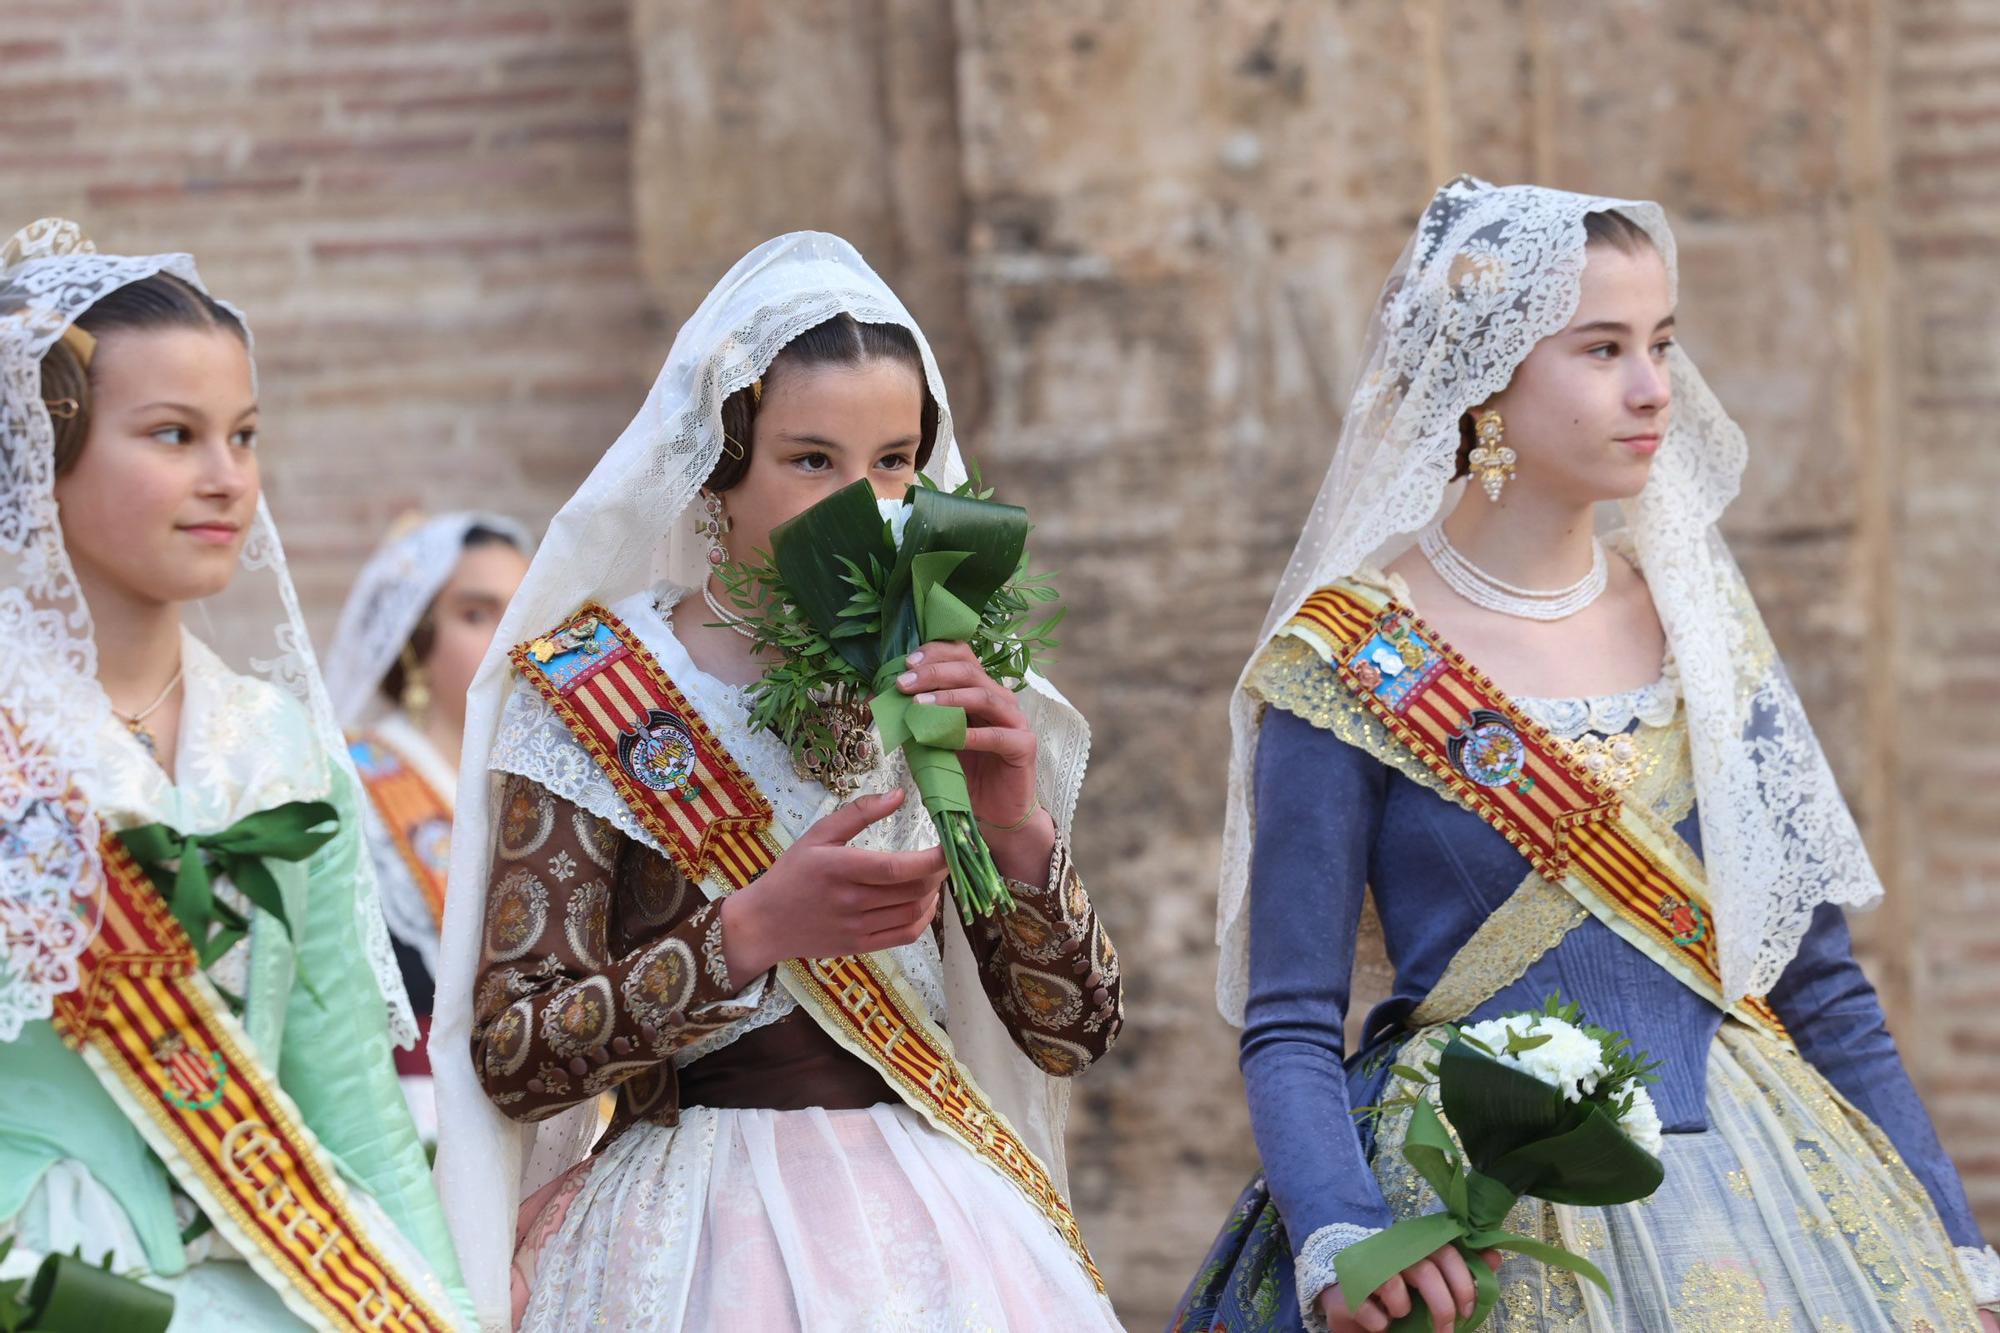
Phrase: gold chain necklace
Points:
(136, 722)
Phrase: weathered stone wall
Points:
(1141, 237)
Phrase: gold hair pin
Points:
(81, 342)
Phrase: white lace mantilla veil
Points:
(1489, 273)
(630, 525)
(390, 595)
(51, 706)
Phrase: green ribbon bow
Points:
(930, 735)
(183, 867)
(1474, 1207)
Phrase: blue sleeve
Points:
(1318, 803)
(1833, 1015)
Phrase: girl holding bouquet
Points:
(1562, 762)
(837, 1107)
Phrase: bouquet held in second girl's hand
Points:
(850, 590)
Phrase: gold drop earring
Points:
(1491, 459)
(416, 697)
(712, 527)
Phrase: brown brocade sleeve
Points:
(1050, 971)
(600, 960)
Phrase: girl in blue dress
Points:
(1683, 876)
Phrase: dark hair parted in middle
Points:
(1602, 228)
(840, 341)
(158, 301)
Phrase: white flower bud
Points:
(896, 514)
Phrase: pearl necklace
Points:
(729, 618)
(1480, 588)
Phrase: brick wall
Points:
(424, 207)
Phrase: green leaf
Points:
(812, 549)
(1495, 1107)
(1367, 1264)
(1593, 1164)
(993, 538)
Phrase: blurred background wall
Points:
(1142, 237)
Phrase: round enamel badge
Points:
(658, 752)
(1489, 750)
(431, 841)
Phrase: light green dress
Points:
(74, 1171)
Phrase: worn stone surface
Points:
(1142, 238)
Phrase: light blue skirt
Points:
(1792, 1211)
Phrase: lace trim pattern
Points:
(294, 666)
(49, 872)
(1313, 1266)
(1651, 705)
(1982, 1272)
(1533, 920)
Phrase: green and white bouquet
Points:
(1543, 1104)
(848, 590)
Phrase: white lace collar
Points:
(1653, 705)
(245, 745)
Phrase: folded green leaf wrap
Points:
(68, 1295)
(957, 552)
(1520, 1137)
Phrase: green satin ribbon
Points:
(930, 735)
(183, 867)
(1474, 1207)
(67, 1295)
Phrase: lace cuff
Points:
(1982, 1270)
(1314, 1266)
(751, 996)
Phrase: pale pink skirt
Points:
(772, 1220)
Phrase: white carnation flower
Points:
(897, 515)
(1568, 1061)
(1642, 1122)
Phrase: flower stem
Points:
(976, 885)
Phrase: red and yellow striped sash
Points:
(417, 817)
(155, 1032)
(1499, 763)
(689, 794)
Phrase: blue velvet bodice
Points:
(1334, 823)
